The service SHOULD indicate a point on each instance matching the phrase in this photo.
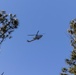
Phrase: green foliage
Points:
(8, 23)
(71, 62)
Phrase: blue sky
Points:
(43, 57)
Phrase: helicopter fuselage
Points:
(37, 37)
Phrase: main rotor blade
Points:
(37, 32)
(32, 35)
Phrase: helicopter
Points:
(36, 37)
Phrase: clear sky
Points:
(43, 57)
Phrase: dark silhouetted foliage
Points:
(71, 70)
(8, 23)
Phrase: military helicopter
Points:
(36, 37)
